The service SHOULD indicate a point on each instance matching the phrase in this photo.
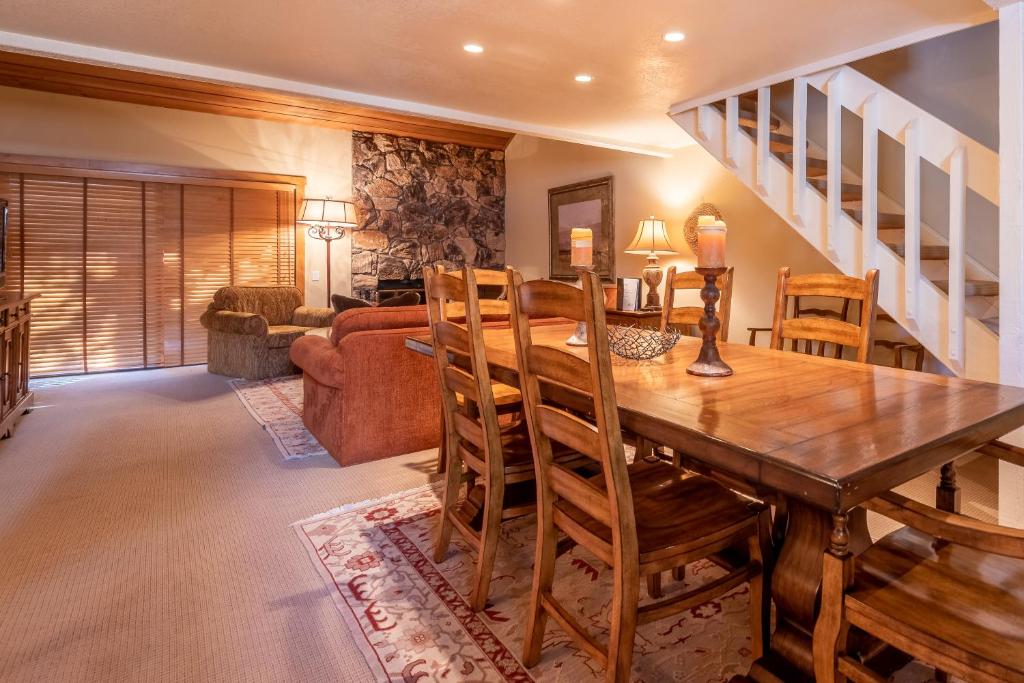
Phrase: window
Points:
(127, 258)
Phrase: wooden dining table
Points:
(817, 436)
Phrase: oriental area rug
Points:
(276, 404)
(410, 618)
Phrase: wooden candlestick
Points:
(709, 363)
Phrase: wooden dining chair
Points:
(686, 318)
(494, 462)
(640, 519)
(507, 400)
(945, 589)
(841, 333)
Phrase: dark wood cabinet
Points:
(15, 341)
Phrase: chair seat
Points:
(676, 512)
(282, 336)
(518, 452)
(506, 399)
(939, 594)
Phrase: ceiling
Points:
(407, 55)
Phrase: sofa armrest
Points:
(311, 316)
(232, 322)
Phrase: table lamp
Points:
(327, 220)
(652, 240)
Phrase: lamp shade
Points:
(328, 212)
(651, 238)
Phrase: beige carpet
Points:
(144, 536)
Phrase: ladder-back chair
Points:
(640, 519)
(825, 330)
(946, 589)
(494, 462)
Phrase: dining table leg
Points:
(796, 587)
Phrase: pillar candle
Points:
(711, 245)
(582, 240)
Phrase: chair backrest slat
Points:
(601, 439)
(833, 328)
(565, 428)
(686, 318)
(583, 495)
(561, 367)
(461, 382)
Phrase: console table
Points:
(15, 323)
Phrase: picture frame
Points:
(588, 204)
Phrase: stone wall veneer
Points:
(422, 203)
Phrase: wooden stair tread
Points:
(748, 115)
(812, 162)
(850, 191)
(887, 221)
(929, 252)
(972, 287)
(991, 323)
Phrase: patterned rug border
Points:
(368, 503)
(351, 623)
(237, 385)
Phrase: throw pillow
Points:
(406, 299)
(343, 303)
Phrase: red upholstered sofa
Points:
(365, 396)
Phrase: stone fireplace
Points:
(422, 203)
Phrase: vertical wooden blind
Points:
(126, 267)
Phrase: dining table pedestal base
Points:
(796, 585)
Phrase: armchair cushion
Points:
(233, 322)
(310, 316)
(282, 336)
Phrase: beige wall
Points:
(60, 125)
(759, 241)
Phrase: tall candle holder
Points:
(579, 336)
(709, 363)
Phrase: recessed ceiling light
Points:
(674, 36)
(584, 78)
(473, 47)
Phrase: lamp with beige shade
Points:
(327, 220)
(652, 241)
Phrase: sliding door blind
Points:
(53, 255)
(114, 270)
(207, 261)
(126, 267)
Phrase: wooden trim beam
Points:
(50, 74)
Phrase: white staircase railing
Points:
(938, 320)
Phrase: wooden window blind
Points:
(126, 266)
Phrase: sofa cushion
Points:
(282, 336)
(342, 303)
(404, 299)
(276, 304)
(356, 319)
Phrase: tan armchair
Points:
(250, 330)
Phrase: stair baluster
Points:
(957, 250)
(912, 220)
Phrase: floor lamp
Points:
(327, 220)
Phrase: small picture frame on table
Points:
(628, 295)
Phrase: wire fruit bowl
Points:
(640, 343)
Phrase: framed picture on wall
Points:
(582, 205)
